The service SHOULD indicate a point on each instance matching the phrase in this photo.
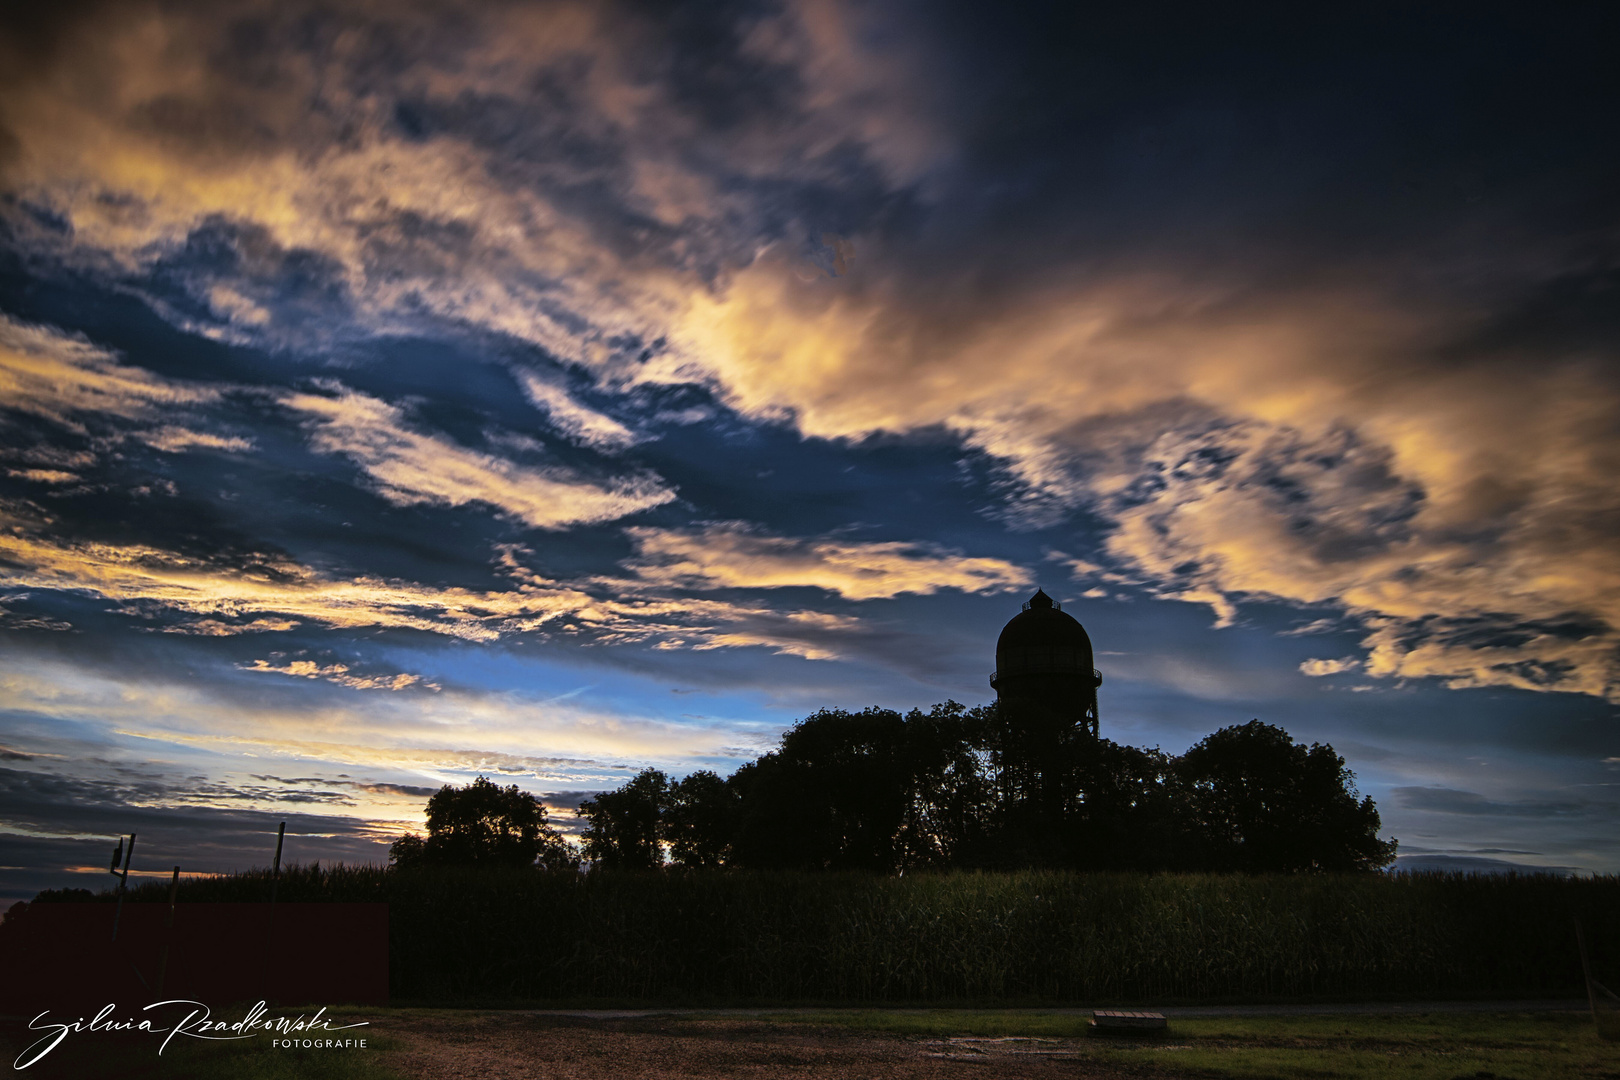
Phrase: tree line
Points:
(950, 788)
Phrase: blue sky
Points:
(394, 393)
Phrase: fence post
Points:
(270, 923)
(275, 874)
(123, 879)
(168, 930)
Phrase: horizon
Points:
(390, 397)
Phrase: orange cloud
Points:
(730, 556)
(339, 673)
(582, 424)
(271, 594)
(65, 379)
(412, 467)
(1330, 667)
(1419, 494)
(1080, 380)
(75, 384)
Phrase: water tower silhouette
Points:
(1044, 678)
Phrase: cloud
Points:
(1330, 667)
(410, 791)
(1260, 412)
(218, 628)
(56, 822)
(174, 440)
(427, 735)
(1305, 446)
(541, 170)
(262, 593)
(585, 425)
(1314, 626)
(412, 467)
(1527, 599)
(85, 389)
(67, 380)
(1452, 801)
(339, 673)
(1472, 864)
(43, 476)
(730, 556)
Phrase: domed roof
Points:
(1040, 631)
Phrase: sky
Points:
(394, 393)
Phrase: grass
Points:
(1434, 1046)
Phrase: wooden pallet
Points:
(1117, 1020)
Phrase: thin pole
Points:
(168, 929)
(1586, 971)
(123, 879)
(275, 875)
(270, 923)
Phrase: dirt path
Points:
(516, 1046)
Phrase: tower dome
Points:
(1044, 665)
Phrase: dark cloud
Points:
(1304, 319)
(570, 800)
(67, 822)
(1452, 801)
(413, 790)
(1469, 864)
(1283, 129)
(370, 788)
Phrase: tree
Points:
(978, 788)
(949, 791)
(699, 820)
(1127, 811)
(1257, 801)
(833, 797)
(483, 824)
(868, 790)
(625, 829)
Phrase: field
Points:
(471, 938)
(421, 1044)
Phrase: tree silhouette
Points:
(483, 824)
(625, 825)
(866, 791)
(1258, 801)
(699, 819)
(949, 797)
(971, 788)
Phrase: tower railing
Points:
(1096, 675)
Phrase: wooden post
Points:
(270, 923)
(123, 879)
(168, 929)
(275, 874)
(1605, 1018)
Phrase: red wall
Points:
(60, 956)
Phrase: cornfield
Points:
(487, 935)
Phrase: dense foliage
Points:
(501, 934)
(964, 788)
(483, 824)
